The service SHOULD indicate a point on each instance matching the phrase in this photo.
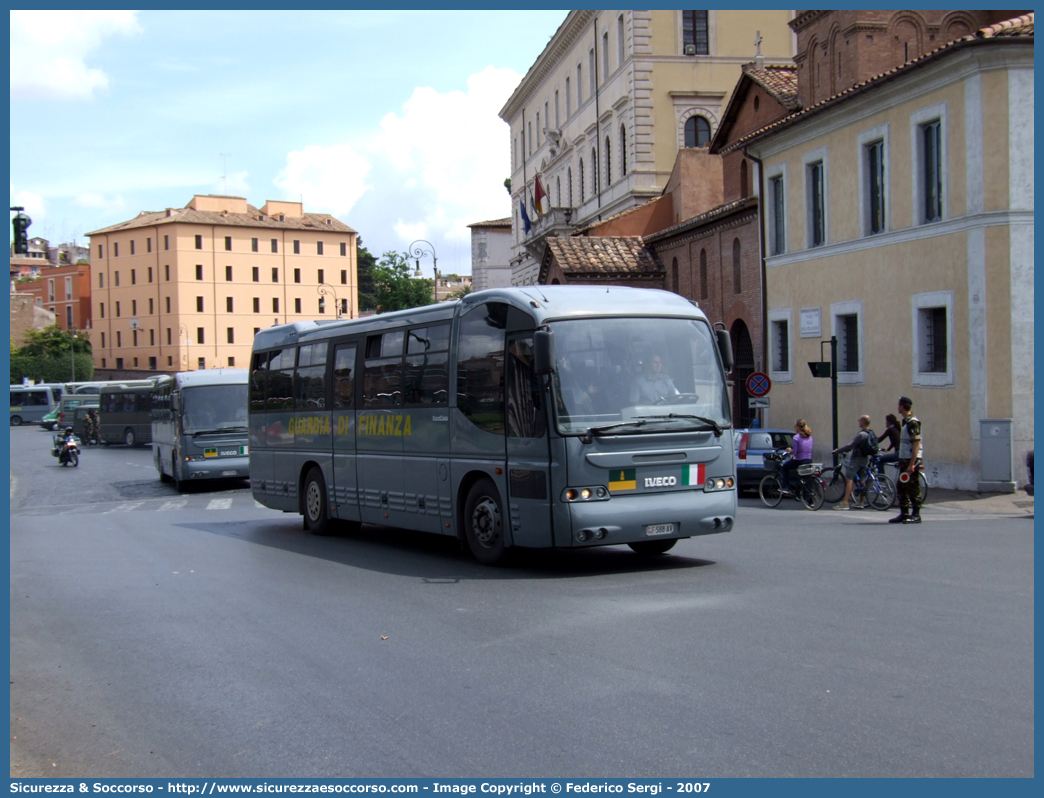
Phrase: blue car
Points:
(751, 447)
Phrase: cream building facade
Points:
(602, 112)
(898, 216)
(187, 288)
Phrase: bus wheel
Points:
(16, 421)
(179, 486)
(484, 524)
(128, 437)
(315, 514)
(653, 546)
(159, 466)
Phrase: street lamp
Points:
(417, 252)
(325, 289)
(183, 330)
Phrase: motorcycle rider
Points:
(59, 443)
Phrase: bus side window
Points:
(281, 379)
(258, 381)
(480, 366)
(311, 378)
(525, 412)
(382, 374)
(344, 376)
(427, 366)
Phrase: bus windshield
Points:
(214, 408)
(637, 375)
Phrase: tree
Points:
(46, 356)
(461, 292)
(395, 288)
(366, 263)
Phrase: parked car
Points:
(751, 447)
(50, 421)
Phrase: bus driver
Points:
(654, 385)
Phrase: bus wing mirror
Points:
(175, 402)
(725, 348)
(543, 351)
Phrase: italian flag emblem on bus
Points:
(694, 475)
(623, 479)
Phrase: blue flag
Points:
(525, 216)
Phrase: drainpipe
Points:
(761, 244)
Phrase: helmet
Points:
(68, 429)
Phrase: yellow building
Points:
(602, 113)
(898, 216)
(187, 288)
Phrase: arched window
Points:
(594, 170)
(558, 191)
(674, 276)
(703, 274)
(580, 174)
(623, 143)
(697, 132)
(737, 267)
(608, 163)
(744, 181)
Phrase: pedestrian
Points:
(858, 459)
(802, 452)
(911, 452)
(891, 453)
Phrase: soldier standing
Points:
(910, 453)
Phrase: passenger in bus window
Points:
(654, 385)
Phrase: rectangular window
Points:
(297, 247)
(781, 345)
(344, 277)
(695, 31)
(202, 364)
(168, 304)
(119, 339)
(116, 249)
(199, 304)
(199, 271)
(152, 337)
(569, 100)
(68, 317)
(101, 280)
(579, 86)
(620, 43)
(117, 309)
(168, 336)
(275, 245)
(134, 307)
(875, 186)
(148, 245)
(134, 337)
(68, 288)
(778, 232)
(933, 339)
(591, 72)
(255, 274)
(848, 342)
(150, 273)
(253, 245)
(257, 305)
(166, 242)
(100, 255)
(297, 275)
(152, 364)
(170, 360)
(151, 306)
(344, 307)
(344, 249)
(134, 276)
(318, 247)
(132, 246)
(322, 304)
(228, 243)
(199, 335)
(275, 304)
(297, 305)
(275, 274)
(605, 56)
(231, 362)
(103, 340)
(228, 304)
(119, 363)
(321, 279)
(166, 273)
(933, 325)
(228, 274)
(816, 204)
(231, 335)
(931, 154)
(116, 279)
(199, 242)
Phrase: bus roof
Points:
(542, 302)
(191, 379)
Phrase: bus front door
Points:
(528, 455)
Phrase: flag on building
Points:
(525, 216)
(542, 202)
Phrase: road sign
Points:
(760, 403)
(758, 384)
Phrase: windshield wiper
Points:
(210, 431)
(718, 429)
(607, 427)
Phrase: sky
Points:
(385, 119)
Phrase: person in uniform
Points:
(911, 451)
(654, 385)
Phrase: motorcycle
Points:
(67, 450)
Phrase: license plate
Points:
(228, 473)
(659, 529)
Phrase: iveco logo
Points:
(660, 482)
(229, 452)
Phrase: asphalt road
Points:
(165, 635)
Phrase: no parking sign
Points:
(758, 384)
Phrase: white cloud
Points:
(35, 207)
(100, 203)
(330, 179)
(49, 51)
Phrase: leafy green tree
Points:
(395, 288)
(366, 263)
(46, 356)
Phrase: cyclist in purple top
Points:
(802, 450)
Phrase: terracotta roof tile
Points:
(705, 218)
(506, 222)
(604, 255)
(1016, 27)
(779, 80)
(309, 221)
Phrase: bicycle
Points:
(871, 488)
(809, 488)
(920, 476)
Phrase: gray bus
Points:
(523, 417)
(125, 413)
(199, 426)
(30, 403)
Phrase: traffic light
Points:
(20, 224)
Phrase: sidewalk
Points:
(1015, 505)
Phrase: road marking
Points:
(220, 504)
(258, 504)
(177, 504)
(126, 507)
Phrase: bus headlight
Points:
(595, 493)
(719, 483)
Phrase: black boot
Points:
(914, 518)
(901, 518)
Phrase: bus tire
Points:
(647, 547)
(159, 466)
(179, 485)
(16, 421)
(484, 523)
(128, 437)
(315, 511)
